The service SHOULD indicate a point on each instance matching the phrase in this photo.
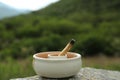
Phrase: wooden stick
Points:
(67, 48)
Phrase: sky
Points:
(28, 4)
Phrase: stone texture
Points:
(84, 74)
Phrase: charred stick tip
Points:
(72, 41)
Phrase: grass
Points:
(102, 62)
(10, 68)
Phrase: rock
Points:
(84, 74)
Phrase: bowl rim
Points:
(78, 56)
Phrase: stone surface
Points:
(84, 74)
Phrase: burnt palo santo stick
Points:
(67, 48)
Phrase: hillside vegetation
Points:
(95, 24)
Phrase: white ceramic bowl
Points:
(56, 68)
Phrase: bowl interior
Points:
(45, 54)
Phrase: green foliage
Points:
(11, 68)
(94, 24)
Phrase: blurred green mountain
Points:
(95, 24)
